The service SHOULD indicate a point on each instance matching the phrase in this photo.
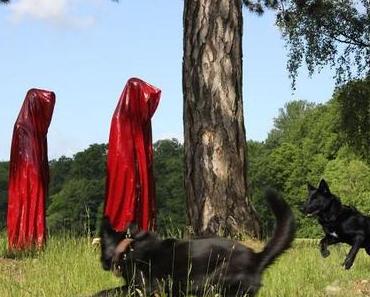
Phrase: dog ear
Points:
(323, 187)
(310, 187)
(132, 230)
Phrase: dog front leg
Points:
(348, 262)
(325, 242)
(368, 250)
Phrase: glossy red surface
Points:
(130, 191)
(29, 172)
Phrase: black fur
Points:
(193, 266)
(341, 223)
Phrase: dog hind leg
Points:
(348, 262)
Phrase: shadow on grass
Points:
(5, 253)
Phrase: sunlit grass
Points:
(303, 272)
(67, 267)
(70, 267)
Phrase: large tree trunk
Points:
(215, 143)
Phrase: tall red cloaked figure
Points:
(130, 192)
(29, 172)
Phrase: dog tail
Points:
(284, 231)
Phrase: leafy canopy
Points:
(323, 32)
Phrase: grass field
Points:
(70, 267)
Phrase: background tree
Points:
(60, 172)
(75, 207)
(77, 185)
(327, 32)
(169, 181)
(354, 115)
(318, 32)
(77, 190)
(214, 133)
(350, 178)
(305, 145)
(289, 122)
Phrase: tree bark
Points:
(214, 134)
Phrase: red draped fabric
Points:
(130, 192)
(29, 172)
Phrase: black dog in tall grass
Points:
(193, 267)
(341, 223)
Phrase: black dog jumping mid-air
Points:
(193, 267)
(341, 223)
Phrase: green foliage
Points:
(259, 180)
(308, 142)
(323, 32)
(59, 173)
(306, 145)
(77, 190)
(330, 32)
(78, 184)
(289, 123)
(75, 206)
(90, 164)
(350, 177)
(169, 176)
(354, 115)
(257, 6)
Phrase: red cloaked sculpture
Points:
(130, 192)
(29, 172)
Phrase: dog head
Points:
(110, 240)
(319, 199)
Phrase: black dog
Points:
(193, 267)
(340, 223)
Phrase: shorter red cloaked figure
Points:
(29, 172)
(130, 191)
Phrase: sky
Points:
(86, 50)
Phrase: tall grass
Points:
(70, 267)
(67, 267)
(302, 272)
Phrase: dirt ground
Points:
(11, 268)
(362, 287)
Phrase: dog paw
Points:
(325, 253)
(347, 264)
(367, 249)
